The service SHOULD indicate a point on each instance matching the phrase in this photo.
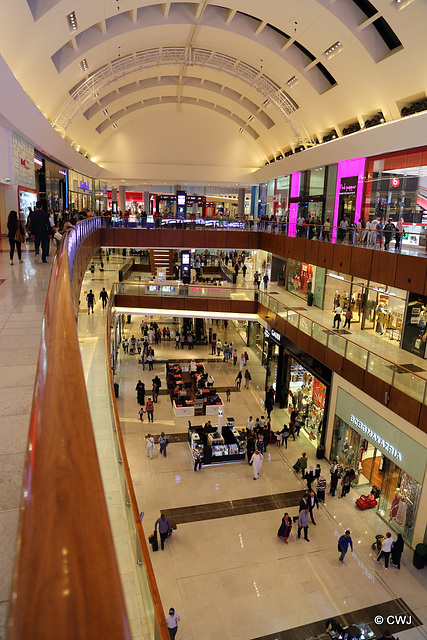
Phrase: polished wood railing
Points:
(66, 583)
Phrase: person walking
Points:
(235, 357)
(344, 543)
(386, 546)
(149, 445)
(228, 394)
(303, 524)
(248, 378)
(285, 528)
(90, 300)
(337, 317)
(398, 234)
(15, 235)
(348, 478)
(163, 443)
(250, 447)
(172, 622)
(41, 230)
(309, 477)
(149, 408)
(197, 462)
(335, 472)
(140, 393)
(265, 281)
(396, 551)
(313, 503)
(104, 297)
(218, 346)
(141, 413)
(303, 462)
(285, 433)
(321, 488)
(256, 461)
(163, 525)
(348, 317)
(238, 380)
(213, 346)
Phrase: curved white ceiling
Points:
(240, 82)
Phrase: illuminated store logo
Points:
(376, 438)
(84, 184)
(395, 182)
(276, 335)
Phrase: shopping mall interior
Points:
(219, 181)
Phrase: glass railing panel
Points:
(409, 383)
(336, 343)
(357, 354)
(319, 333)
(305, 325)
(380, 368)
(293, 317)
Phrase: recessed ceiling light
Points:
(333, 50)
(72, 21)
(240, 130)
(292, 81)
(250, 118)
(114, 126)
(84, 65)
(266, 102)
(105, 112)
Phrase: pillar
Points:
(147, 202)
(176, 187)
(114, 199)
(241, 204)
(122, 197)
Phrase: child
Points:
(228, 392)
(141, 413)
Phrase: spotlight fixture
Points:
(72, 21)
(250, 118)
(105, 112)
(292, 81)
(115, 125)
(84, 65)
(376, 119)
(240, 130)
(266, 103)
(333, 50)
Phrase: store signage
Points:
(348, 185)
(84, 184)
(378, 440)
(25, 163)
(319, 393)
(38, 161)
(266, 333)
(64, 173)
(395, 182)
(276, 336)
(390, 321)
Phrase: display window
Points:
(398, 492)
(301, 278)
(308, 395)
(415, 327)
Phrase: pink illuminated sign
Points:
(350, 175)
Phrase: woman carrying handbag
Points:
(15, 234)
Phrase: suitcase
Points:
(153, 540)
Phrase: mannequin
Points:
(395, 504)
(337, 299)
(401, 510)
(350, 455)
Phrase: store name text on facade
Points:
(376, 438)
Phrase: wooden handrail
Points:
(66, 582)
(154, 591)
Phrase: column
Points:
(122, 197)
(114, 200)
(147, 202)
(241, 204)
(176, 187)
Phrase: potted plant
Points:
(310, 299)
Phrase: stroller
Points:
(376, 546)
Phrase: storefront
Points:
(415, 327)
(304, 279)
(376, 308)
(51, 182)
(80, 194)
(382, 456)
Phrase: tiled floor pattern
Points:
(229, 508)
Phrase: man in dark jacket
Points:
(41, 229)
(313, 502)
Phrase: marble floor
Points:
(228, 577)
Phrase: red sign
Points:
(395, 182)
(25, 163)
(319, 393)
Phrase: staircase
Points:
(162, 259)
